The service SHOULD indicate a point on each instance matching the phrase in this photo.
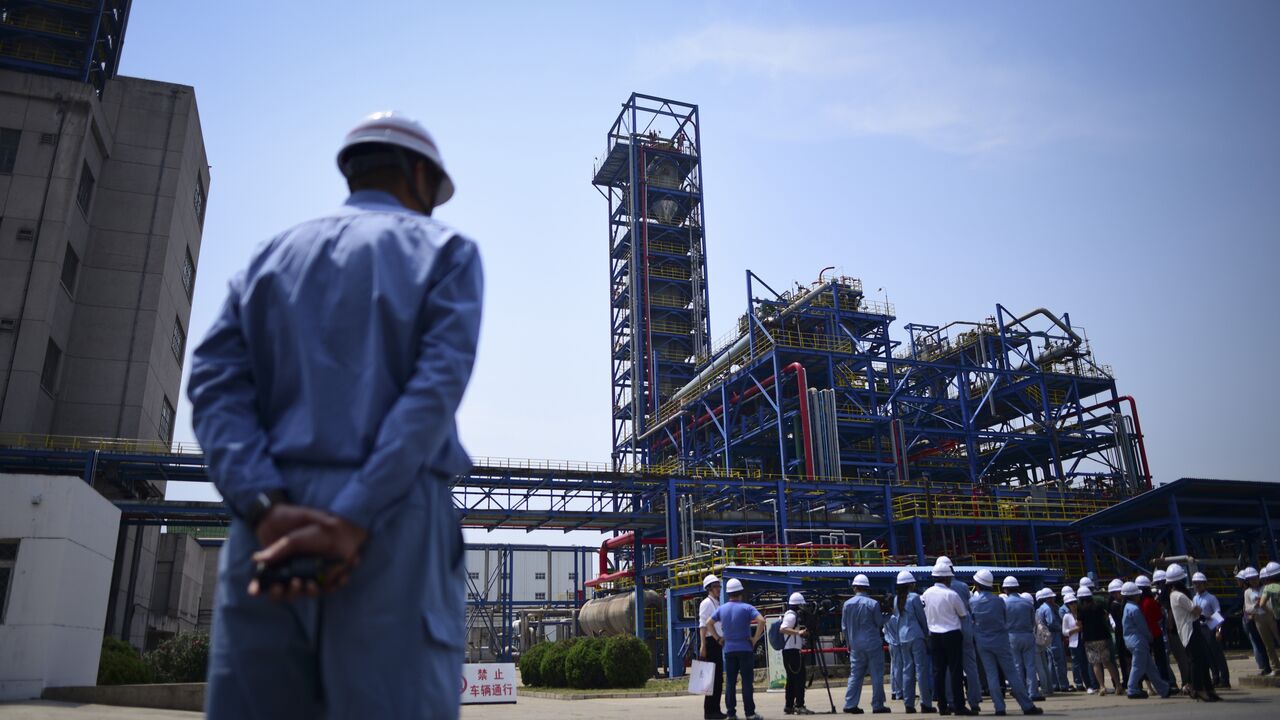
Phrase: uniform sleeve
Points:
(715, 616)
(958, 604)
(917, 609)
(420, 420)
(224, 410)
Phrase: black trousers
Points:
(793, 662)
(1123, 658)
(1198, 655)
(711, 703)
(948, 654)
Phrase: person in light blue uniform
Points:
(913, 641)
(863, 625)
(1055, 657)
(324, 397)
(991, 632)
(973, 684)
(1021, 615)
(1137, 637)
(895, 656)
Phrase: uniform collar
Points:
(375, 200)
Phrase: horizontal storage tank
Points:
(615, 614)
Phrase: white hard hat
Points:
(795, 599)
(861, 580)
(941, 569)
(1175, 572)
(1009, 582)
(1067, 589)
(1116, 585)
(1068, 597)
(398, 130)
(1159, 576)
(1249, 573)
(709, 580)
(945, 561)
(1199, 577)
(1086, 581)
(733, 586)
(1084, 592)
(1130, 589)
(906, 578)
(1240, 575)
(1044, 593)
(1271, 569)
(1027, 595)
(1142, 581)
(983, 578)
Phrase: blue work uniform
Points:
(1021, 616)
(738, 618)
(895, 655)
(1137, 637)
(973, 685)
(1055, 656)
(333, 372)
(863, 626)
(991, 631)
(913, 640)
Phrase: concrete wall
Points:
(51, 632)
(176, 589)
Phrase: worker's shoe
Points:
(1033, 710)
(928, 709)
(802, 710)
(881, 711)
(1140, 695)
(910, 710)
(754, 716)
(999, 713)
(1037, 698)
(854, 711)
(788, 711)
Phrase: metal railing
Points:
(88, 444)
(920, 505)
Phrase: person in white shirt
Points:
(712, 647)
(943, 610)
(1185, 615)
(793, 656)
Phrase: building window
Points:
(540, 596)
(70, 270)
(189, 274)
(178, 343)
(573, 576)
(8, 559)
(197, 199)
(472, 596)
(52, 364)
(539, 576)
(473, 575)
(84, 195)
(8, 149)
(166, 420)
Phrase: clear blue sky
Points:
(1117, 161)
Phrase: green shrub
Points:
(530, 662)
(180, 659)
(584, 665)
(120, 664)
(627, 662)
(552, 667)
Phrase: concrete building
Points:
(57, 537)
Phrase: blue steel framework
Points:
(74, 39)
(659, 324)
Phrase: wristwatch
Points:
(261, 504)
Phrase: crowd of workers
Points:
(949, 642)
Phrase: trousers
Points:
(864, 661)
(1270, 634)
(895, 670)
(740, 664)
(969, 663)
(1259, 650)
(948, 662)
(793, 663)
(1144, 666)
(916, 671)
(1023, 647)
(711, 703)
(1056, 658)
(997, 658)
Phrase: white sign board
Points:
(488, 683)
(776, 674)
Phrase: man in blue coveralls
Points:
(991, 630)
(324, 398)
(863, 624)
(1137, 637)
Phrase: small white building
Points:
(57, 545)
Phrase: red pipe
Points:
(620, 541)
(609, 577)
(1137, 429)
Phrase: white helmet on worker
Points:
(1084, 592)
(1009, 582)
(906, 578)
(1142, 581)
(1044, 593)
(983, 577)
(861, 580)
(1068, 597)
(1130, 589)
(1158, 576)
(710, 580)
(795, 599)
(942, 570)
(1241, 576)
(946, 561)
(1249, 573)
(1175, 573)
(1116, 585)
(1199, 577)
(397, 131)
(733, 587)
(1271, 569)
(1086, 581)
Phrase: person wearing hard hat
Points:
(743, 626)
(944, 612)
(863, 625)
(890, 630)
(1021, 616)
(1154, 613)
(1115, 608)
(1173, 640)
(712, 647)
(913, 639)
(793, 655)
(1071, 636)
(1271, 588)
(1095, 632)
(1185, 615)
(991, 634)
(1209, 608)
(1263, 620)
(973, 683)
(1260, 654)
(324, 398)
(1051, 648)
(1137, 638)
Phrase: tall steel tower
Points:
(651, 176)
(74, 39)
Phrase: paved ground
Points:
(1242, 703)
